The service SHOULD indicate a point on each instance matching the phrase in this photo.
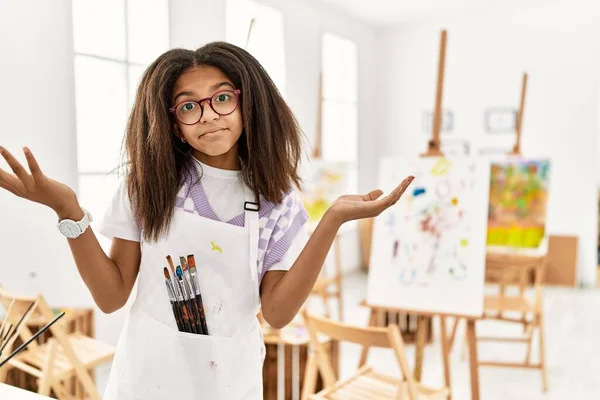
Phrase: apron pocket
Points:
(163, 363)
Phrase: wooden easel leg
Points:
(365, 351)
(473, 360)
(445, 355)
(422, 327)
(543, 353)
(453, 335)
(529, 336)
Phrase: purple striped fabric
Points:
(278, 223)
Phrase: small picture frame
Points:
(447, 121)
(500, 120)
(455, 147)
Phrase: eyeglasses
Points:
(190, 112)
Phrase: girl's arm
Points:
(283, 293)
(110, 279)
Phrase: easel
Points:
(424, 318)
(514, 268)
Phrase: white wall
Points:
(40, 66)
(304, 23)
(487, 52)
(37, 110)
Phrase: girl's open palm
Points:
(351, 207)
(35, 186)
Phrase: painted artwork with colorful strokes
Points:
(323, 182)
(518, 202)
(428, 250)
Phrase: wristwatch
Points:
(72, 229)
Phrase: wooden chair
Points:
(62, 357)
(507, 272)
(366, 383)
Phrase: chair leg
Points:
(47, 380)
(541, 331)
(4, 370)
(365, 350)
(340, 304)
(324, 296)
(309, 386)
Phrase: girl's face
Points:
(214, 136)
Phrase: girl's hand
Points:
(36, 186)
(351, 207)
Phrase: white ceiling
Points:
(391, 12)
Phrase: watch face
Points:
(69, 229)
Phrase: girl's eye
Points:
(222, 98)
(188, 107)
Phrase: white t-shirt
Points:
(225, 194)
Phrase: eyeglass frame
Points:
(236, 92)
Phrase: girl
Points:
(212, 152)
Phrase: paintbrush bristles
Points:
(171, 265)
(191, 261)
(184, 265)
(166, 272)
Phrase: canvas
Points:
(518, 201)
(323, 182)
(428, 250)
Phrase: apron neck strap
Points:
(251, 208)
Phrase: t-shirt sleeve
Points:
(118, 221)
(290, 256)
(288, 234)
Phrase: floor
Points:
(573, 353)
(572, 350)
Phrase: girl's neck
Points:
(228, 161)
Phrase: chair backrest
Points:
(368, 336)
(507, 271)
(15, 308)
(41, 313)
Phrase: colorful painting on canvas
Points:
(428, 250)
(518, 200)
(323, 182)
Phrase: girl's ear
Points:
(177, 132)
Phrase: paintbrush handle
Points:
(190, 306)
(188, 284)
(195, 313)
(198, 298)
(173, 300)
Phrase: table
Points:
(13, 393)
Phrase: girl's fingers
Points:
(8, 188)
(34, 167)
(16, 167)
(10, 181)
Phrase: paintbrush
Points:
(187, 295)
(32, 338)
(191, 261)
(191, 290)
(173, 300)
(16, 327)
(185, 313)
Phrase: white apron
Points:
(156, 361)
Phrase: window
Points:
(114, 42)
(339, 126)
(258, 29)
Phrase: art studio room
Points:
(334, 199)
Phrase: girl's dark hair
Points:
(269, 148)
